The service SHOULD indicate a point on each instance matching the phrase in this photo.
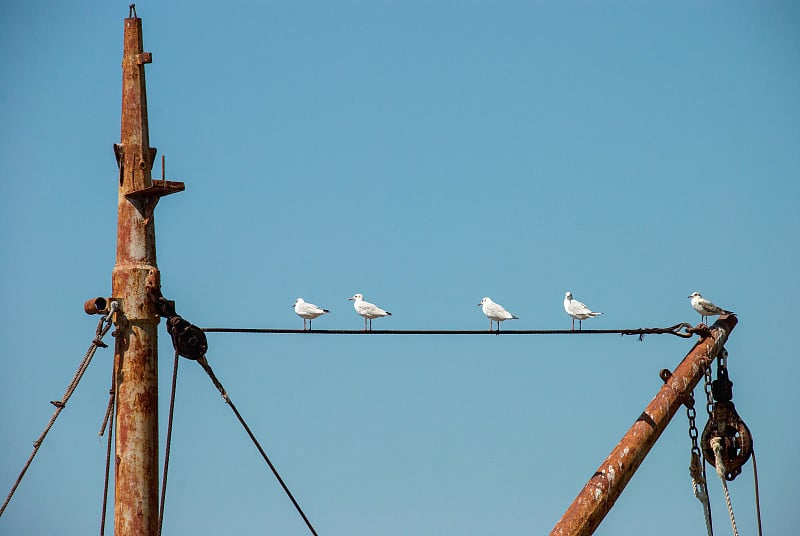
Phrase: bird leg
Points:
(573, 324)
(580, 324)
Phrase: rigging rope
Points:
(684, 330)
(716, 444)
(102, 328)
(204, 363)
(700, 489)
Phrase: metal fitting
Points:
(96, 306)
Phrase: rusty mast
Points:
(136, 352)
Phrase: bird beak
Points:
(479, 304)
(350, 299)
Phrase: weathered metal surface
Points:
(95, 306)
(136, 470)
(736, 439)
(602, 490)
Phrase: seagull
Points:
(367, 310)
(495, 312)
(307, 311)
(577, 310)
(705, 307)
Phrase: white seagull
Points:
(495, 312)
(308, 311)
(577, 310)
(705, 307)
(367, 310)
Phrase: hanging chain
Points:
(696, 465)
(722, 361)
(707, 388)
(694, 434)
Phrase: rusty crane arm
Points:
(602, 490)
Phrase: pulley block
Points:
(737, 441)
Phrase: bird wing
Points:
(578, 308)
(711, 308)
(370, 309)
(308, 308)
(497, 311)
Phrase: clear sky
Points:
(425, 154)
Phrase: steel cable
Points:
(758, 500)
(108, 420)
(169, 442)
(204, 363)
(684, 330)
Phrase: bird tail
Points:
(388, 313)
(325, 311)
(595, 313)
(514, 317)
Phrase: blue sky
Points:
(426, 155)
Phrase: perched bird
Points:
(577, 310)
(705, 307)
(307, 311)
(495, 312)
(367, 310)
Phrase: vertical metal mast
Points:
(136, 354)
(597, 497)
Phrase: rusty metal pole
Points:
(602, 490)
(136, 501)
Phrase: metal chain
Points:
(722, 361)
(707, 388)
(696, 466)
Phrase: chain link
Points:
(697, 467)
(722, 361)
(691, 413)
(707, 388)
